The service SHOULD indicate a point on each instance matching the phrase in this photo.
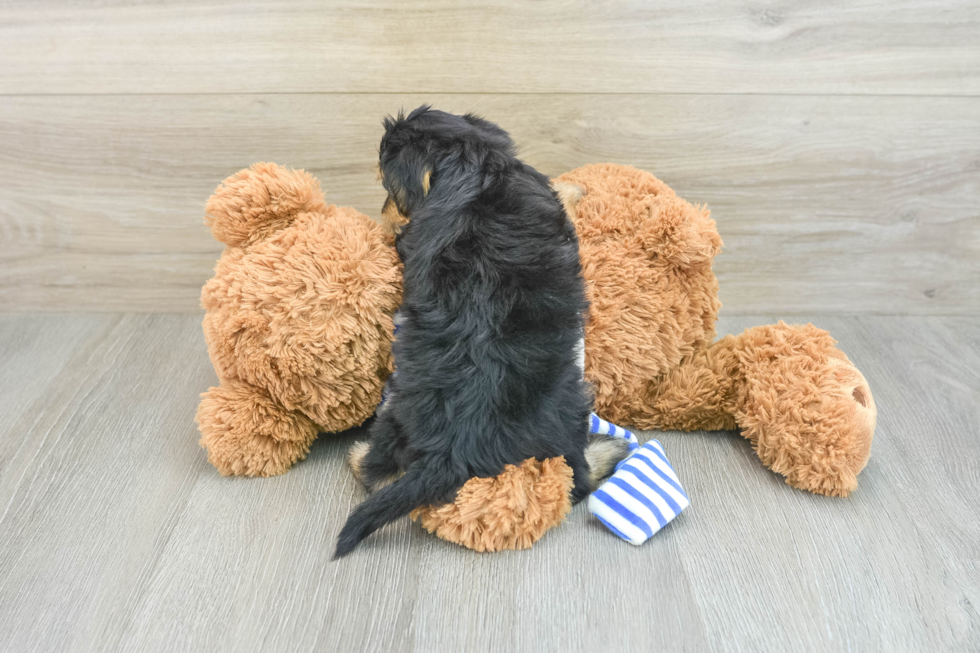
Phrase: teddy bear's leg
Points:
(699, 394)
(807, 410)
(247, 433)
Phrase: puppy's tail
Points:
(602, 454)
(412, 490)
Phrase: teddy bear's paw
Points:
(246, 433)
(807, 409)
(849, 416)
(261, 200)
(509, 511)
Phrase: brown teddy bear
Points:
(299, 329)
(646, 256)
(298, 322)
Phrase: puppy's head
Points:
(428, 148)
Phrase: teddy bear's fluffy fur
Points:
(298, 322)
(509, 511)
(646, 258)
(299, 330)
(805, 407)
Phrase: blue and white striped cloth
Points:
(643, 494)
(600, 426)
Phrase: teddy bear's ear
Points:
(679, 232)
(258, 201)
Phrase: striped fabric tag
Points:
(643, 495)
(602, 427)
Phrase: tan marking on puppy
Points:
(426, 182)
(569, 194)
(391, 219)
(385, 482)
(355, 456)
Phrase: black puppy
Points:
(492, 319)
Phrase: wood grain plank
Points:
(248, 568)
(826, 204)
(499, 46)
(34, 353)
(99, 466)
(575, 590)
(47, 365)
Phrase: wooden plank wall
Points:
(837, 143)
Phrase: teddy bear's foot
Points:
(806, 408)
(246, 433)
(509, 511)
(842, 431)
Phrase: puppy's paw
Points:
(355, 458)
(602, 455)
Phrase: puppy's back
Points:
(493, 311)
(494, 306)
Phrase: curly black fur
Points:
(493, 309)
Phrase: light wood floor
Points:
(116, 534)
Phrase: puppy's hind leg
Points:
(591, 465)
(582, 484)
(377, 462)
